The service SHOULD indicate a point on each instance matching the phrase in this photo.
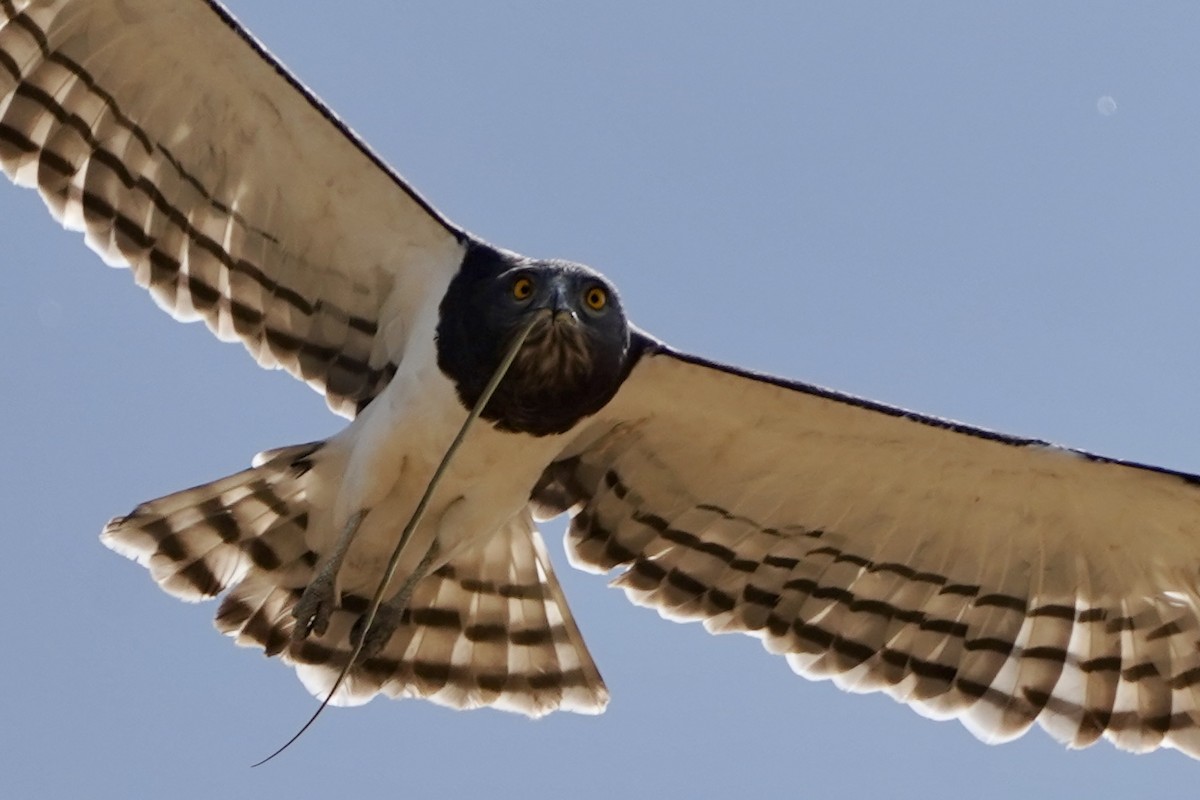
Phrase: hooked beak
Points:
(559, 305)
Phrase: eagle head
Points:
(573, 360)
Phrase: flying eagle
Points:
(975, 575)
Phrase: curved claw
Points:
(314, 608)
(387, 619)
(316, 605)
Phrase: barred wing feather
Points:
(997, 580)
(182, 149)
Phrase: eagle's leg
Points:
(390, 613)
(316, 605)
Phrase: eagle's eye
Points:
(596, 298)
(522, 288)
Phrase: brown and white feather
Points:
(223, 187)
(992, 579)
(489, 628)
(995, 580)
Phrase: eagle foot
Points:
(387, 618)
(389, 615)
(314, 608)
(316, 605)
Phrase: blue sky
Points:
(923, 205)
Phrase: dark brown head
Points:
(573, 360)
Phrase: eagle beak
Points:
(561, 310)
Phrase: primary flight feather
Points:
(990, 578)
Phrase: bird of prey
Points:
(995, 579)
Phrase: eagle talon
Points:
(390, 614)
(315, 607)
(313, 610)
(387, 619)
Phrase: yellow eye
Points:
(522, 288)
(596, 298)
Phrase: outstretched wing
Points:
(994, 579)
(182, 149)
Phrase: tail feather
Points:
(198, 542)
(489, 628)
(258, 614)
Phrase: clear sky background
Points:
(919, 203)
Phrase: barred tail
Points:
(199, 542)
(490, 628)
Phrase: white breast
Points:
(383, 461)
